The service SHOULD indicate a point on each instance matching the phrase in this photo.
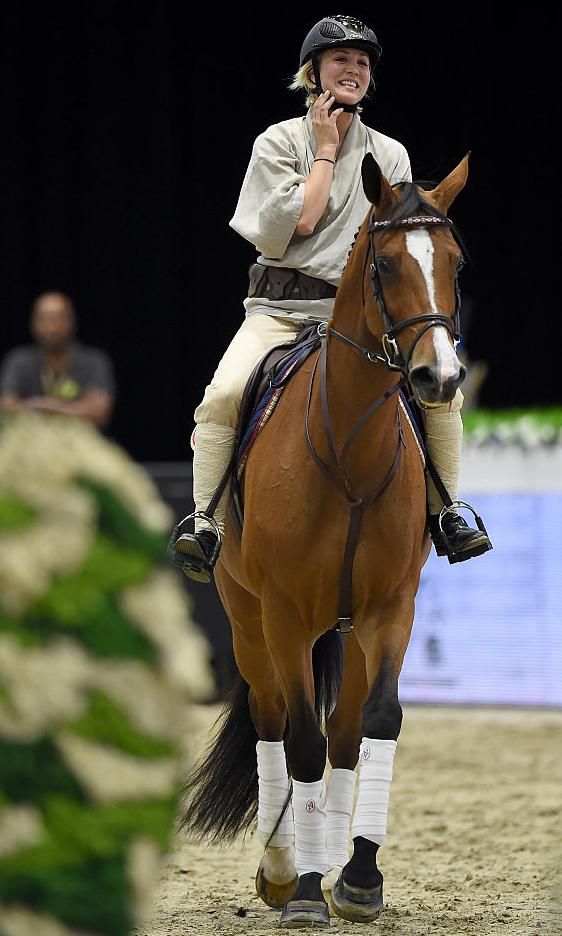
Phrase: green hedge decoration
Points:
(89, 691)
(31, 772)
(15, 513)
(105, 722)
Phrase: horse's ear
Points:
(376, 187)
(444, 195)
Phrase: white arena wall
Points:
(489, 631)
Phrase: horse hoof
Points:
(329, 880)
(274, 895)
(356, 904)
(298, 914)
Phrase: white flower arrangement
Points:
(99, 660)
(528, 430)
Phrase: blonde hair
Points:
(303, 79)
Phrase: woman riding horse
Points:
(301, 202)
(307, 554)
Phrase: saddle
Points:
(261, 394)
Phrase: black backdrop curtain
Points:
(127, 128)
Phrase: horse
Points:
(319, 588)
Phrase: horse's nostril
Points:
(462, 373)
(423, 376)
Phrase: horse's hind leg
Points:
(276, 878)
(357, 895)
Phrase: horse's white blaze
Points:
(447, 361)
(420, 246)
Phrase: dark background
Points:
(127, 128)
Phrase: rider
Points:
(301, 202)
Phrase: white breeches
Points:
(255, 337)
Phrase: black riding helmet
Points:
(333, 32)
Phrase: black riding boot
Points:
(455, 539)
(196, 554)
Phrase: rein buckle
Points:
(344, 625)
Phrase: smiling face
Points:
(345, 72)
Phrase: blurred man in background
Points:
(57, 373)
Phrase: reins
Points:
(340, 478)
(393, 360)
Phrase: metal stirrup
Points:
(201, 514)
(452, 508)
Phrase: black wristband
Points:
(324, 159)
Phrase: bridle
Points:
(393, 358)
(334, 468)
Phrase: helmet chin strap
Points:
(348, 108)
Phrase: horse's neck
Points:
(353, 385)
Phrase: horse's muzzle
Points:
(431, 388)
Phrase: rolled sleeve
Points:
(400, 170)
(272, 196)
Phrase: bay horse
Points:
(335, 528)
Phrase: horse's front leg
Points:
(276, 878)
(306, 755)
(358, 893)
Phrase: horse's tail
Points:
(222, 791)
(221, 795)
(327, 665)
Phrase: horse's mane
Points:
(413, 203)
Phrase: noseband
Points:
(393, 358)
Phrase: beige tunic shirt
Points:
(272, 196)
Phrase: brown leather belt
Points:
(268, 282)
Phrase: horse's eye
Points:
(460, 264)
(384, 265)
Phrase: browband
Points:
(410, 222)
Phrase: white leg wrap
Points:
(310, 827)
(212, 452)
(443, 430)
(339, 807)
(375, 774)
(273, 784)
